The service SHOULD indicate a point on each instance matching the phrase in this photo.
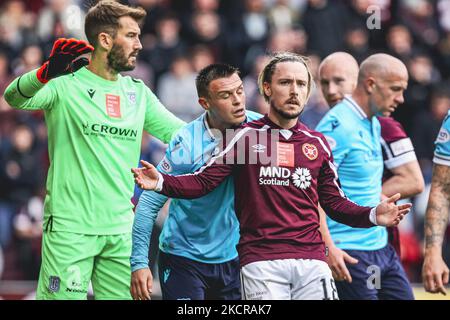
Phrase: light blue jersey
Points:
(355, 143)
(205, 229)
(442, 150)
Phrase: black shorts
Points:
(378, 275)
(185, 279)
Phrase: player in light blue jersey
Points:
(353, 132)
(198, 257)
(435, 273)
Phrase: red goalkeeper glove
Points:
(63, 59)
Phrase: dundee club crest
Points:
(54, 284)
(310, 151)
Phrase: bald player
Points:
(338, 75)
(353, 128)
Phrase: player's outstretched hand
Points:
(389, 214)
(146, 177)
(63, 59)
(141, 284)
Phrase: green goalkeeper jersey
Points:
(94, 138)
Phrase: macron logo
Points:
(259, 148)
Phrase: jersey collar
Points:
(209, 129)
(355, 107)
(273, 125)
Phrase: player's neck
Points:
(216, 124)
(362, 100)
(281, 121)
(99, 66)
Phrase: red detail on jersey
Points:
(285, 154)
(113, 106)
(310, 151)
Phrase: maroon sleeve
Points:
(198, 184)
(391, 130)
(335, 203)
(205, 179)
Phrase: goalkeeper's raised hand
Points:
(63, 59)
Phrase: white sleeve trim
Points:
(438, 160)
(373, 216)
(159, 184)
(400, 160)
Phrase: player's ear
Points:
(370, 84)
(105, 41)
(267, 90)
(204, 103)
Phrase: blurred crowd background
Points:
(182, 36)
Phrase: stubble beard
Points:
(117, 60)
(284, 114)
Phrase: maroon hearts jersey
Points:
(280, 176)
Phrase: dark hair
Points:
(212, 72)
(266, 74)
(104, 17)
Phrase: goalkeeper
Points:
(95, 118)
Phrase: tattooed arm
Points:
(435, 273)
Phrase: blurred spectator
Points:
(5, 80)
(30, 59)
(399, 42)
(443, 55)
(357, 43)
(251, 82)
(28, 230)
(177, 90)
(5, 74)
(168, 45)
(248, 35)
(316, 107)
(255, 21)
(205, 5)
(371, 16)
(282, 16)
(425, 127)
(60, 19)
(422, 76)
(200, 57)
(299, 40)
(206, 30)
(443, 11)
(293, 40)
(421, 19)
(21, 177)
(16, 26)
(155, 9)
(325, 23)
